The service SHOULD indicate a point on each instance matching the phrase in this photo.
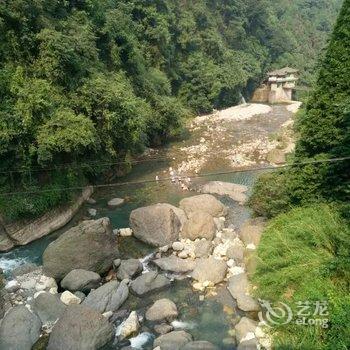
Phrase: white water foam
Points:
(145, 261)
(8, 264)
(142, 339)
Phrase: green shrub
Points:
(304, 256)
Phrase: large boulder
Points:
(157, 225)
(19, 329)
(175, 340)
(148, 282)
(210, 269)
(108, 297)
(199, 345)
(204, 202)
(234, 191)
(199, 225)
(90, 246)
(162, 309)
(129, 268)
(174, 264)
(80, 328)
(48, 307)
(81, 280)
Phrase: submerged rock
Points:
(162, 309)
(174, 264)
(80, 328)
(199, 345)
(234, 191)
(108, 297)
(81, 280)
(148, 282)
(19, 329)
(204, 202)
(157, 225)
(116, 202)
(173, 341)
(89, 246)
(210, 269)
(199, 225)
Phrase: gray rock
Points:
(48, 307)
(90, 246)
(245, 326)
(199, 225)
(173, 341)
(247, 303)
(81, 280)
(80, 328)
(210, 269)
(19, 329)
(108, 297)
(92, 212)
(80, 295)
(129, 268)
(157, 225)
(162, 309)
(148, 282)
(203, 248)
(116, 202)
(174, 264)
(204, 202)
(234, 191)
(238, 285)
(116, 263)
(129, 327)
(199, 345)
(163, 328)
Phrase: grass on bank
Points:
(304, 256)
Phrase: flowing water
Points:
(210, 319)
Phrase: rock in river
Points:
(199, 225)
(148, 282)
(129, 268)
(234, 191)
(90, 246)
(48, 307)
(210, 269)
(129, 327)
(108, 297)
(174, 264)
(162, 309)
(173, 341)
(203, 202)
(116, 202)
(19, 329)
(157, 225)
(81, 280)
(80, 328)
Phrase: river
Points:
(210, 319)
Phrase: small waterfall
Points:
(243, 101)
(141, 340)
(145, 261)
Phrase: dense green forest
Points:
(305, 251)
(98, 80)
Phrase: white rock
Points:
(178, 246)
(164, 249)
(259, 332)
(125, 232)
(183, 254)
(230, 263)
(108, 314)
(236, 270)
(12, 286)
(251, 246)
(46, 283)
(129, 327)
(92, 212)
(116, 202)
(69, 298)
(248, 336)
(53, 291)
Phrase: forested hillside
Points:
(98, 80)
(304, 253)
